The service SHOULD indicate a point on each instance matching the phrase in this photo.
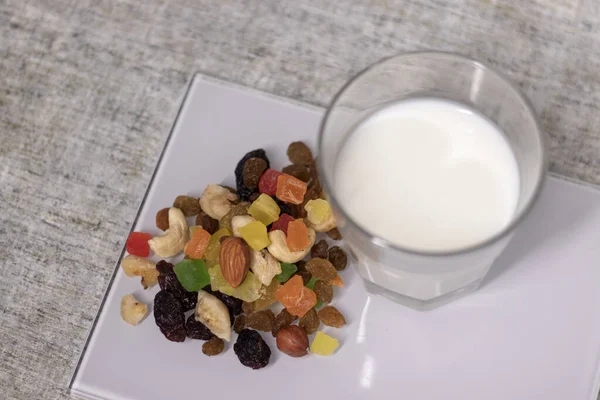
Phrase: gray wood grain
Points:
(89, 89)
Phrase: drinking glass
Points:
(427, 279)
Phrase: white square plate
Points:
(531, 332)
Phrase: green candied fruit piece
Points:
(255, 234)
(287, 270)
(211, 254)
(250, 290)
(265, 209)
(192, 274)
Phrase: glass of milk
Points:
(430, 161)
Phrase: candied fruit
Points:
(297, 236)
(337, 281)
(197, 245)
(192, 274)
(137, 244)
(290, 189)
(264, 209)
(287, 270)
(268, 182)
(282, 223)
(324, 345)
(250, 290)
(297, 298)
(317, 211)
(211, 254)
(255, 234)
(299, 153)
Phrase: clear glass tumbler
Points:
(424, 280)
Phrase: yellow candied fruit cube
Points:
(318, 210)
(214, 245)
(265, 209)
(250, 290)
(255, 234)
(324, 345)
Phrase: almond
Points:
(235, 260)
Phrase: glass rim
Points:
(517, 218)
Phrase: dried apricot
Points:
(197, 245)
(162, 219)
(290, 189)
(299, 153)
(137, 244)
(337, 256)
(297, 171)
(321, 269)
(213, 347)
(297, 236)
(261, 320)
(282, 320)
(297, 298)
(268, 182)
(319, 250)
(330, 316)
(310, 322)
(188, 205)
(207, 223)
(282, 223)
(253, 169)
(324, 291)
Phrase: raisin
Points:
(324, 291)
(254, 196)
(239, 324)
(234, 305)
(301, 265)
(282, 320)
(305, 275)
(299, 153)
(238, 209)
(253, 169)
(247, 308)
(196, 329)
(334, 234)
(207, 223)
(330, 316)
(162, 219)
(244, 191)
(319, 250)
(251, 349)
(321, 269)
(167, 280)
(283, 206)
(310, 322)
(213, 347)
(261, 320)
(337, 256)
(298, 171)
(189, 206)
(296, 210)
(169, 317)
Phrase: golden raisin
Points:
(282, 320)
(188, 205)
(297, 171)
(239, 324)
(321, 269)
(310, 322)
(261, 320)
(162, 219)
(299, 153)
(319, 250)
(337, 256)
(324, 291)
(213, 347)
(335, 234)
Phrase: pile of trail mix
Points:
(253, 262)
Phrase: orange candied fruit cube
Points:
(297, 235)
(198, 243)
(290, 189)
(295, 297)
(337, 281)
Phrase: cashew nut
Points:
(319, 222)
(279, 249)
(264, 266)
(216, 201)
(139, 266)
(238, 222)
(132, 311)
(174, 239)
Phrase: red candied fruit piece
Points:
(282, 223)
(268, 182)
(137, 244)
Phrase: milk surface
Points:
(429, 175)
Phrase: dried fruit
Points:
(267, 297)
(282, 223)
(196, 329)
(319, 250)
(239, 324)
(214, 314)
(234, 258)
(337, 256)
(324, 345)
(236, 210)
(290, 189)
(261, 320)
(197, 245)
(255, 234)
(321, 269)
(287, 270)
(253, 197)
(192, 274)
(173, 239)
(268, 182)
(310, 321)
(299, 153)
(334, 234)
(319, 215)
(301, 265)
(238, 222)
(213, 347)
(324, 291)
(250, 290)
(162, 219)
(207, 223)
(297, 236)
(137, 244)
(211, 254)
(168, 315)
(251, 349)
(292, 341)
(234, 305)
(264, 266)
(297, 171)
(330, 316)
(296, 297)
(138, 266)
(216, 201)
(188, 205)
(337, 281)
(279, 249)
(247, 307)
(305, 275)
(265, 209)
(253, 169)
(282, 320)
(168, 281)
(132, 310)
(244, 191)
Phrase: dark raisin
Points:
(299, 153)
(251, 349)
(334, 234)
(297, 171)
(296, 210)
(261, 320)
(239, 324)
(324, 291)
(305, 276)
(234, 305)
(301, 265)
(213, 347)
(253, 169)
(282, 320)
(167, 280)
(207, 223)
(169, 317)
(283, 206)
(196, 329)
(310, 321)
(244, 191)
(254, 196)
(338, 258)
(319, 250)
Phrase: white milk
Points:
(428, 174)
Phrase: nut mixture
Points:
(252, 263)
